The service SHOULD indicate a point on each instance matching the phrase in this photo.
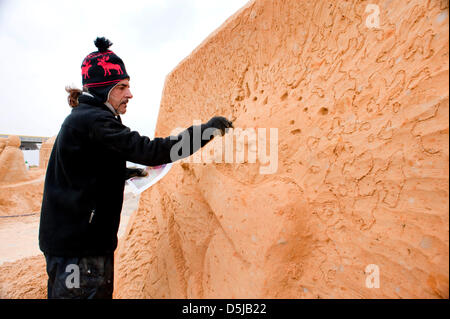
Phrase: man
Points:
(84, 184)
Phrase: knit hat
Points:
(101, 70)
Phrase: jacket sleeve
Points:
(116, 137)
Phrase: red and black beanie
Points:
(101, 70)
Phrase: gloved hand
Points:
(220, 123)
(135, 172)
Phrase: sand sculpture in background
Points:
(20, 189)
(12, 163)
(45, 152)
(362, 182)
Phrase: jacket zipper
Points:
(92, 216)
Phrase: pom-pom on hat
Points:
(101, 70)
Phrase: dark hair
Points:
(74, 93)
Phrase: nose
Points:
(128, 94)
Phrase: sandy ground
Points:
(19, 235)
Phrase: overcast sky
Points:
(44, 42)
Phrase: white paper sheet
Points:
(155, 173)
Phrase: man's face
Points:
(119, 96)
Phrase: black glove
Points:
(135, 172)
(220, 123)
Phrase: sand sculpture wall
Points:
(362, 174)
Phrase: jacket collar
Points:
(90, 99)
(87, 98)
(110, 107)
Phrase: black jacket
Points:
(84, 183)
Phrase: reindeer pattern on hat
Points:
(107, 66)
(85, 68)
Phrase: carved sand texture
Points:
(362, 119)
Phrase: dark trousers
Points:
(89, 277)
